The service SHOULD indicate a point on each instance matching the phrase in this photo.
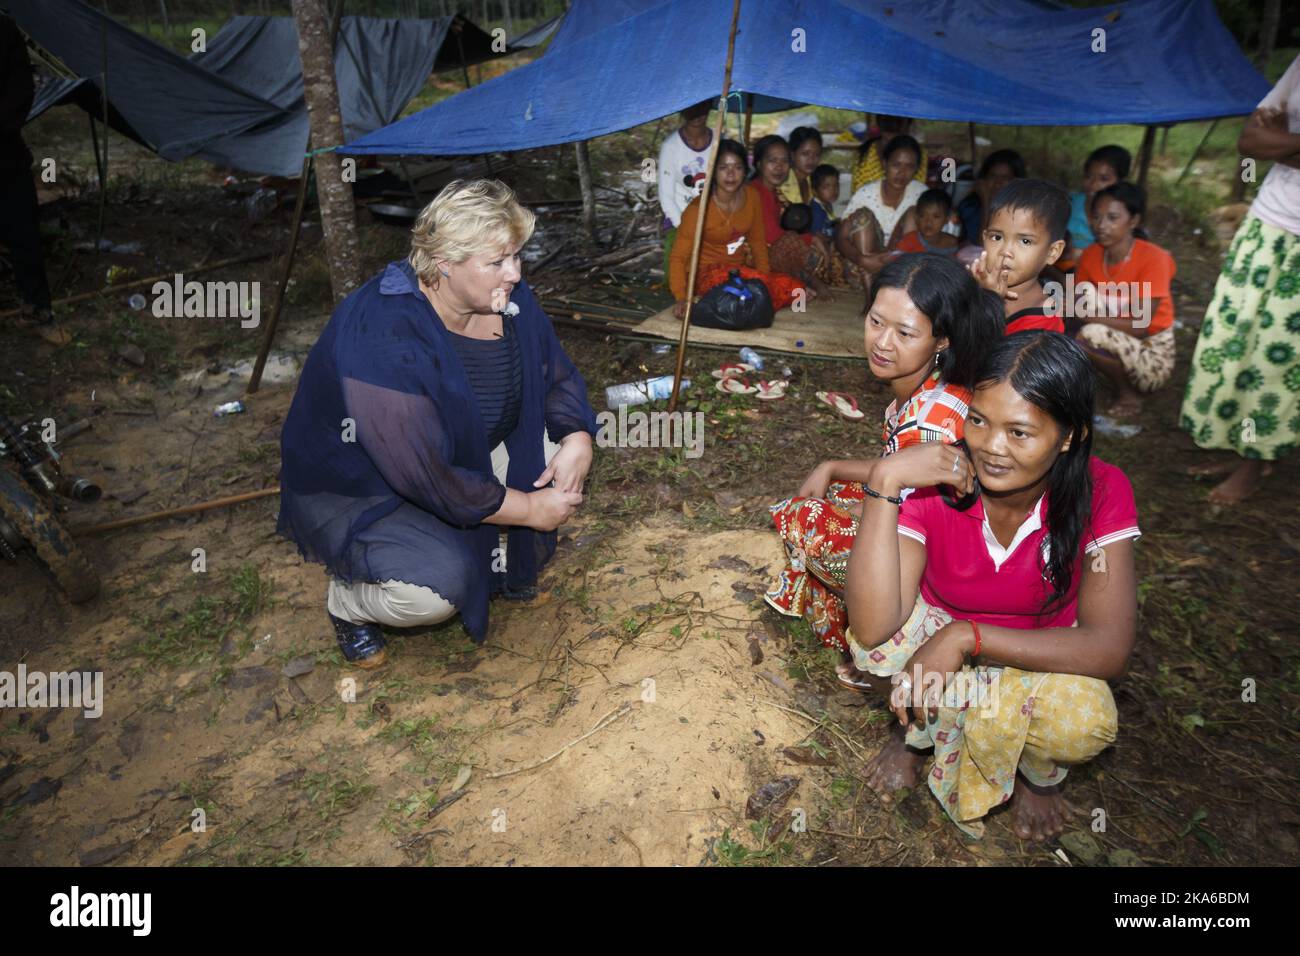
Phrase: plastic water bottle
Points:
(638, 393)
(750, 357)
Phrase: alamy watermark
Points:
(639, 429)
(84, 689)
(1090, 300)
(208, 300)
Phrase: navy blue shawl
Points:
(384, 417)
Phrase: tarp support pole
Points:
(749, 115)
(103, 179)
(268, 336)
(1196, 152)
(1144, 161)
(704, 208)
(974, 154)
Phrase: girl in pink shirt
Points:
(1015, 554)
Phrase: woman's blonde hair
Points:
(469, 217)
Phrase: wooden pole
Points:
(84, 530)
(268, 336)
(704, 208)
(1197, 151)
(103, 96)
(1144, 160)
(136, 283)
(974, 153)
(749, 115)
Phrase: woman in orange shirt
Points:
(733, 235)
(1122, 284)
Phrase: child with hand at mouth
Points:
(1025, 235)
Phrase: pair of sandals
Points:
(732, 381)
(846, 406)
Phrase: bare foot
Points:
(1207, 468)
(849, 676)
(1037, 813)
(896, 767)
(1240, 485)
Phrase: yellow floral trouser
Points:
(995, 720)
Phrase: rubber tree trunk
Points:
(337, 212)
(588, 191)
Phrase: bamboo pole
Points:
(80, 296)
(268, 336)
(705, 193)
(84, 530)
(1144, 162)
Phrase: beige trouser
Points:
(397, 603)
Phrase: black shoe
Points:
(361, 644)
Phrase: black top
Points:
(495, 371)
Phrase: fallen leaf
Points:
(462, 777)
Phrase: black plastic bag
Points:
(736, 305)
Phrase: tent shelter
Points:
(615, 64)
(240, 102)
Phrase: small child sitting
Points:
(826, 193)
(797, 218)
(933, 209)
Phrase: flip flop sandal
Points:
(732, 370)
(846, 406)
(736, 386)
(862, 684)
(770, 391)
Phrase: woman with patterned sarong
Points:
(992, 622)
(809, 257)
(733, 228)
(927, 327)
(1243, 394)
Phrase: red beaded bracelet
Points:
(978, 640)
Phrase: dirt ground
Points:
(629, 716)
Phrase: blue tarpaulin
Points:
(615, 64)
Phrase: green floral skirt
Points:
(1244, 391)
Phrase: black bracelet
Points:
(875, 494)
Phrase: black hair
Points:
(1047, 202)
(733, 147)
(761, 147)
(696, 109)
(885, 122)
(1001, 157)
(796, 218)
(1133, 198)
(901, 141)
(821, 172)
(971, 318)
(1116, 157)
(801, 134)
(935, 197)
(1049, 370)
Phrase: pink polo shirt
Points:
(971, 576)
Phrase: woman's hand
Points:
(568, 469)
(926, 465)
(550, 508)
(919, 686)
(818, 480)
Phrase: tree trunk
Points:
(510, 25)
(337, 212)
(1267, 38)
(588, 192)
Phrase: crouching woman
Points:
(1020, 606)
(436, 411)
